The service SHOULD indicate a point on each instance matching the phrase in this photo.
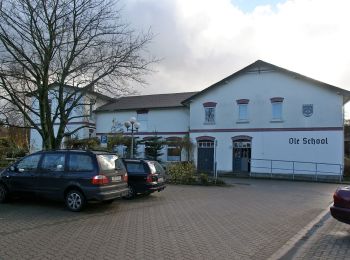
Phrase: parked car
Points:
(341, 207)
(74, 176)
(144, 177)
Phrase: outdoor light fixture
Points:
(134, 127)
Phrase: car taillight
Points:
(149, 178)
(336, 199)
(99, 180)
(125, 177)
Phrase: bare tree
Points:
(46, 45)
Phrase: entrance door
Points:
(241, 156)
(205, 162)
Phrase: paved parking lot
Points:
(250, 220)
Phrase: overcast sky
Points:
(203, 41)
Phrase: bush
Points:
(185, 173)
(203, 178)
(182, 173)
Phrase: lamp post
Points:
(134, 126)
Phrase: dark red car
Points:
(341, 207)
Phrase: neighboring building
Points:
(83, 116)
(163, 115)
(262, 118)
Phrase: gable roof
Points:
(261, 66)
(146, 102)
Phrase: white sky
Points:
(203, 41)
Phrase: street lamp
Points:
(134, 125)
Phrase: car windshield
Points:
(107, 161)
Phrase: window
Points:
(277, 111)
(277, 103)
(142, 118)
(29, 163)
(209, 112)
(174, 153)
(135, 167)
(53, 162)
(80, 162)
(209, 115)
(107, 161)
(242, 112)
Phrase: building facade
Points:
(262, 119)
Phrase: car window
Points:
(119, 165)
(107, 161)
(29, 163)
(80, 162)
(53, 162)
(134, 167)
(156, 167)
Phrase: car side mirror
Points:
(12, 168)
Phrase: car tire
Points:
(131, 193)
(4, 194)
(75, 200)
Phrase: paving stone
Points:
(250, 221)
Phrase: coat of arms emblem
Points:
(308, 110)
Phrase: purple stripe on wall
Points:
(267, 129)
(78, 123)
(146, 133)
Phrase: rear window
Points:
(134, 167)
(156, 167)
(109, 162)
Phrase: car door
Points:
(21, 177)
(50, 179)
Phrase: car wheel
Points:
(131, 193)
(75, 200)
(3, 193)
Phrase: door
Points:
(22, 179)
(50, 178)
(241, 156)
(205, 156)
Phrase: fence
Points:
(294, 168)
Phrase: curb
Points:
(289, 249)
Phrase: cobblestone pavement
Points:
(330, 241)
(250, 220)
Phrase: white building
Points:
(82, 125)
(261, 119)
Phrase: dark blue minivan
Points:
(73, 176)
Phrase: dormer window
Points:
(209, 111)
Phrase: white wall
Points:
(259, 88)
(160, 120)
(281, 145)
(268, 144)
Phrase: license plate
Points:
(116, 178)
(160, 179)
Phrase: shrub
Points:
(182, 173)
(203, 178)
